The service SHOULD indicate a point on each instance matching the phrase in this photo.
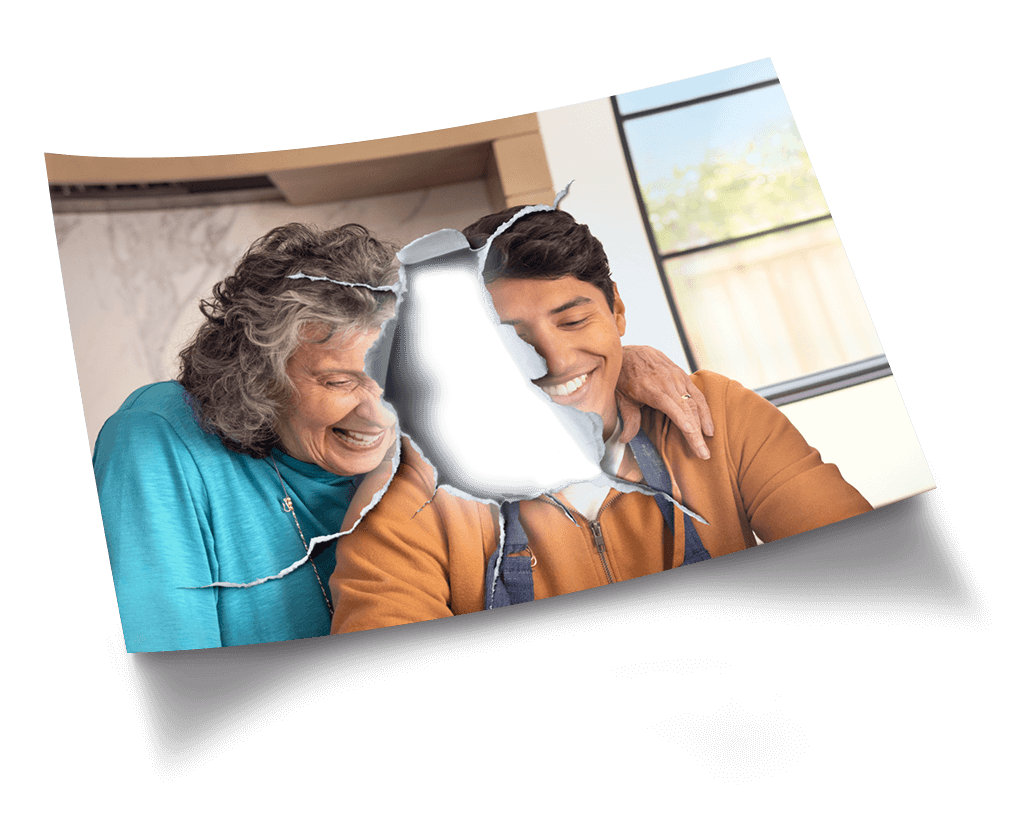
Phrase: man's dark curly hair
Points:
(548, 244)
(235, 367)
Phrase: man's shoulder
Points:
(706, 379)
(415, 487)
(721, 390)
(718, 390)
(414, 469)
(737, 412)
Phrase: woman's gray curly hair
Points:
(235, 367)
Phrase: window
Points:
(757, 280)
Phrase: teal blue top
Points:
(182, 511)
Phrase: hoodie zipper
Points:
(595, 527)
(597, 534)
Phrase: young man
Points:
(423, 554)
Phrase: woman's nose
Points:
(373, 410)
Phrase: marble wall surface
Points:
(134, 280)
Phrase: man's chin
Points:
(608, 414)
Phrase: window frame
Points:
(780, 393)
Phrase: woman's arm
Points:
(157, 527)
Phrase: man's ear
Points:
(618, 311)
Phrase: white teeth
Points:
(357, 439)
(566, 388)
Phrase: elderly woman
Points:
(224, 476)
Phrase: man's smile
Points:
(565, 391)
(572, 327)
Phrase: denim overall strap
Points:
(657, 477)
(510, 578)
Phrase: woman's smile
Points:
(336, 419)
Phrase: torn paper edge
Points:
(303, 276)
(500, 559)
(521, 352)
(400, 289)
(584, 429)
(422, 419)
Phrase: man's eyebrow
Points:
(571, 304)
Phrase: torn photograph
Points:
(364, 385)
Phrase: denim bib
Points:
(509, 579)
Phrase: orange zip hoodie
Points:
(409, 562)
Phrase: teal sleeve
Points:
(157, 525)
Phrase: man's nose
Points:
(552, 348)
